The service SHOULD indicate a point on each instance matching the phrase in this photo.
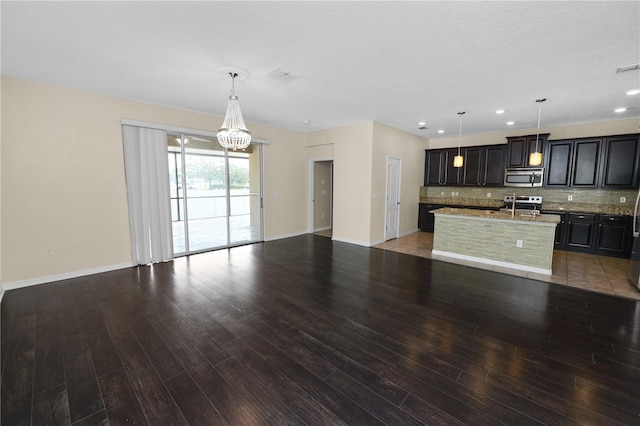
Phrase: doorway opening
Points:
(321, 219)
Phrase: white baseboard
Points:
(282, 236)
(375, 243)
(324, 228)
(491, 262)
(65, 276)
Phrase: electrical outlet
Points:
(518, 243)
(453, 194)
(49, 251)
(488, 195)
(442, 193)
(623, 199)
(570, 197)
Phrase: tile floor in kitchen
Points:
(602, 274)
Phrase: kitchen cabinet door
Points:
(561, 230)
(472, 168)
(426, 220)
(519, 148)
(585, 164)
(451, 174)
(580, 232)
(558, 164)
(439, 168)
(613, 235)
(432, 168)
(620, 162)
(493, 167)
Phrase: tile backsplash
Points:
(558, 198)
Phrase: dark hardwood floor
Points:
(309, 331)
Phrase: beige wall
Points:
(352, 156)
(360, 153)
(63, 185)
(617, 127)
(1, 280)
(409, 148)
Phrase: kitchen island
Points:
(519, 241)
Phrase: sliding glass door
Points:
(215, 194)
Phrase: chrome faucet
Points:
(513, 205)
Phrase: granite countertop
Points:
(613, 209)
(493, 214)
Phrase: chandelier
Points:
(233, 134)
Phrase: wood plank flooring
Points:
(309, 331)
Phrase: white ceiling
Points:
(397, 63)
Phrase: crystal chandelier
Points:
(233, 134)
(535, 158)
(458, 160)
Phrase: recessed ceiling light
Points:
(440, 131)
(633, 92)
(619, 110)
(499, 111)
(307, 121)
(510, 123)
(422, 123)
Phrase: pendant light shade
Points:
(535, 158)
(233, 134)
(458, 160)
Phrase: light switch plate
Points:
(518, 243)
(570, 197)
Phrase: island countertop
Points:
(502, 215)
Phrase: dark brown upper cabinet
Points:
(519, 148)
(573, 162)
(439, 168)
(483, 165)
(620, 158)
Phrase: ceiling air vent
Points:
(628, 68)
(282, 75)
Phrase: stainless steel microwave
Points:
(525, 178)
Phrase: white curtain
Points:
(147, 174)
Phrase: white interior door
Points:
(393, 199)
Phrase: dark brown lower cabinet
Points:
(580, 231)
(425, 219)
(613, 235)
(561, 230)
(604, 235)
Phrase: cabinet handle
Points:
(580, 217)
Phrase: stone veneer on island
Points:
(491, 237)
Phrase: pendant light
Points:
(233, 134)
(458, 160)
(535, 158)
